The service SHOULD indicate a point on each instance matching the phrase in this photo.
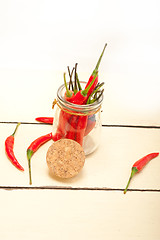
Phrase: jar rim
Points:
(72, 106)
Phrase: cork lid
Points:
(65, 158)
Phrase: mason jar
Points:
(81, 123)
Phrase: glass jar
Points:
(81, 123)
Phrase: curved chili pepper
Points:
(9, 144)
(48, 120)
(33, 148)
(138, 165)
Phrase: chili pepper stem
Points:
(96, 90)
(99, 60)
(78, 82)
(134, 170)
(29, 155)
(16, 129)
(68, 93)
(70, 82)
(75, 79)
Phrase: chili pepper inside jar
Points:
(81, 123)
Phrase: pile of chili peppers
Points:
(71, 125)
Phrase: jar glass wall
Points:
(81, 123)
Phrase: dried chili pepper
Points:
(94, 73)
(9, 144)
(138, 165)
(48, 120)
(75, 79)
(94, 94)
(70, 82)
(33, 148)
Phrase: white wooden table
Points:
(38, 40)
(91, 205)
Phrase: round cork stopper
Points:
(65, 158)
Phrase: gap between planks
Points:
(103, 125)
(76, 189)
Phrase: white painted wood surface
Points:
(108, 167)
(94, 206)
(46, 214)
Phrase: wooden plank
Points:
(108, 167)
(91, 215)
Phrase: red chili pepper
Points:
(94, 73)
(90, 125)
(62, 125)
(48, 120)
(63, 116)
(81, 96)
(77, 128)
(9, 144)
(79, 123)
(137, 166)
(71, 130)
(33, 148)
(67, 125)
